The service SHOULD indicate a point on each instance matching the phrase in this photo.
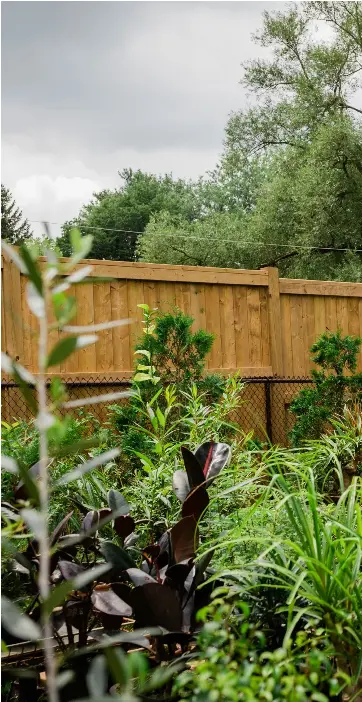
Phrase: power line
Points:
(206, 238)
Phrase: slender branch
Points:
(44, 543)
(350, 107)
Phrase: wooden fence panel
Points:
(263, 325)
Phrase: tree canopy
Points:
(115, 218)
(14, 227)
(288, 188)
(302, 144)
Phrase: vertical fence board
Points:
(241, 326)
(120, 335)
(258, 320)
(253, 307)
(287, 335)
(102, 313)
(86, 357)
(213, 324)
(227, 327)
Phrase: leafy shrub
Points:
(234, 664)
(177, 353)
(319, 567)
(335, 384)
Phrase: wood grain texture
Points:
(259, 322)
(275, 332)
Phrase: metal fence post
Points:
(269, 423)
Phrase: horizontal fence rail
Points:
(263, 325)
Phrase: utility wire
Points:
(205, 238)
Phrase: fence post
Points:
(268, 412)
(275, 323)
(11, 308)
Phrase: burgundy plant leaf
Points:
(184, 539)
(157, 605)
(179, 572)
(151, 552)
(196, 503)
(180, 485)
(188, 608)
(90, 520)
(70, 570)
(59, 528)
(104, 512)
(124, 526)
(213, 457)
(110, 622)
(138, 577)
(123, 591)
(108, 602)
(193, 467)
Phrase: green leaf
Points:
(62, 350)
(117, 556)
(83, 468)
(141, 377)
(118, 503)
(17, 623)
(32, 268)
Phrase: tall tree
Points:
(14, 227)
(114, 218)
(303, 136)
(304, 83)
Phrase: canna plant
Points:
(82, 583)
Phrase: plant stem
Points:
(44, 544)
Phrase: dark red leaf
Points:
(184, 539)
(213, 456)
(180, 484)
(196, 503)
(178, 573)
(124, 526)
(157, 605)
(123, 591)
(193, 467)
(104, 512)
(90, 520)
(138, 577)
(70, 570)
(108, 602)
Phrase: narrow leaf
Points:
(17, 623)
(84, 468)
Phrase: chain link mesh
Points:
(264, 408)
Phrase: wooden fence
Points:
(263, 325)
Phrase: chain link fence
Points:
(264, 405)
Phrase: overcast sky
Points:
(89, 88)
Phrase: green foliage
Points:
(233, 662)
(14, 228)
(177, 353)
(289, 186)
(335, 384)
(128, 209)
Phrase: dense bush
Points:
(335, 384)
(95, 549)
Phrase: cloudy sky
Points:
(89, 88)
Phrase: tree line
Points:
(288, 188)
